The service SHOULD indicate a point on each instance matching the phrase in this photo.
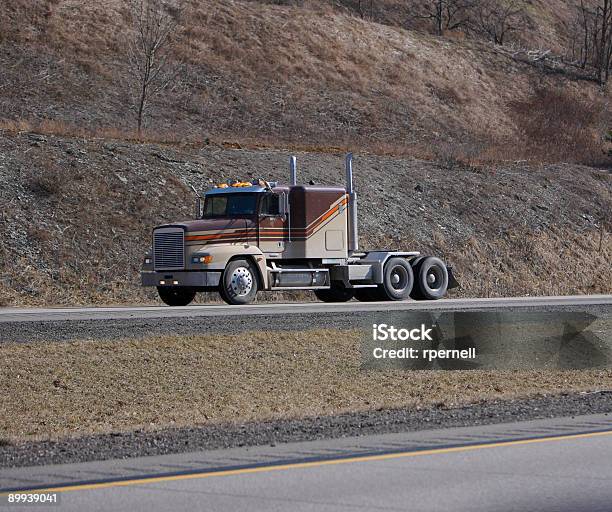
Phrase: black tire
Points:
(430, 279)
(337, 293)
(176, 295)
(239, 282)
(370, 294)
(398, 279)
(415, 264)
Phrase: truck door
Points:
(271, 226)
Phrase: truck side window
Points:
(269, 205)
(215, 206)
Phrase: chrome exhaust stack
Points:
(293, 167)
(353, 234)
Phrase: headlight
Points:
(147, 260)
(202, 259)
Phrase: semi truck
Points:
(250, 237)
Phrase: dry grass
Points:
(559, 127)
(547, 138)
(296, 75)
(522, 263)
(66, 129)
(63, 389)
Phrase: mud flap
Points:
(452, 282)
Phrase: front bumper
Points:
(195, 279)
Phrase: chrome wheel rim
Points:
(399, 278)
(242, 281)
(434, 278)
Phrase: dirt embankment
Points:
(76, 215)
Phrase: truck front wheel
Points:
(176, 295)
(239, 283)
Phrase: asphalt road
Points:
(560, 465)
(114, 323)
(217, 310)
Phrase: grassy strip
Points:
(52, 390)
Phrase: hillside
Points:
(315, 75)
(76, 215)
(548, 24)
(465, 149)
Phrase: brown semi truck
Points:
(251, 237)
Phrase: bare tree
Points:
(149, 67)
(586, 20)
(603, 40)
(496, 20)
(594, 24)
(444, 14)
(361, 7)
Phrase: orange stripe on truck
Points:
(308, 231)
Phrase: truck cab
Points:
(250, 237)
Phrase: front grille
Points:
(168, 249)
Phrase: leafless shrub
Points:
(444, 15)
(287, 2)
(591, 43)
(446, 94)
(497, 20)
(150, 70)
(38, 235)
(48, 182)
(557, 126)
(363, 6)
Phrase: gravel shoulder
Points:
(179, 440)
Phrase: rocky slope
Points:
(76, 215)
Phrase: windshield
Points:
(230, 205)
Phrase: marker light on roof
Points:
(237, 184)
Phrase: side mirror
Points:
(198, 203)
(283, 203)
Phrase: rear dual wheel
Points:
(430, 278)
(425, 278)
(398, 280)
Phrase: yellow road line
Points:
(299, 465)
